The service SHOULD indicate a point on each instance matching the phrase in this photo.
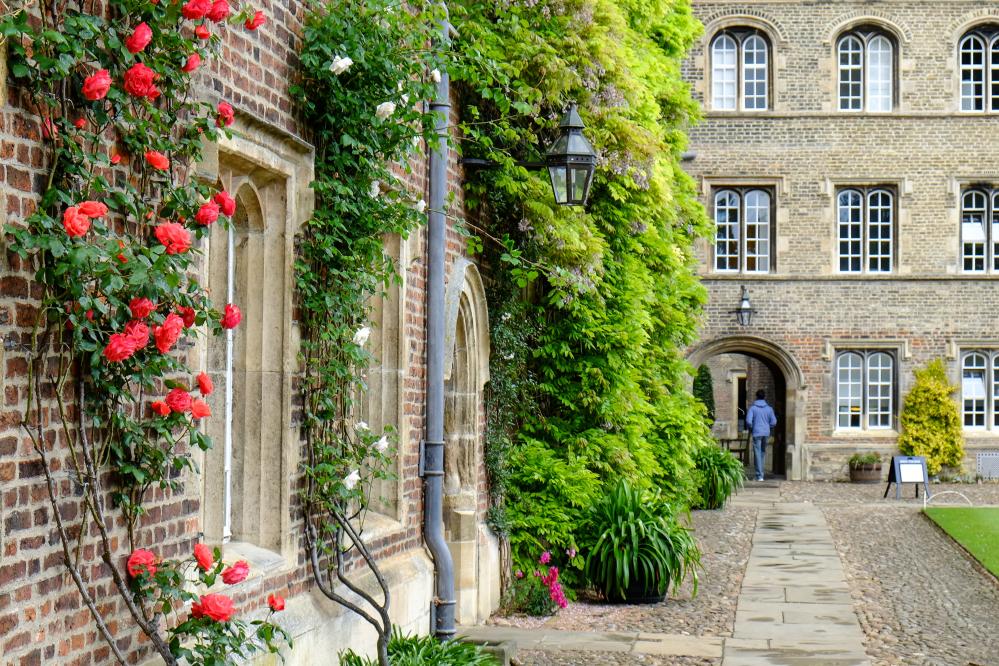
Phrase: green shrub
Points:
(858, 459)
(527, 595)
(635, 545)
(424, 651)
(931, 423)
(704, 390)
(721, 474)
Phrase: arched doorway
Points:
(740, 365)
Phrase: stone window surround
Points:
(955, 190)
(901, 188)
(828, 66)
(865, 347)
(270, 155)
(777, 185)
(865, 191)
(865, 32)
(970, 22)
(956, 350)
(776, 60)
(900, 348)
(740, 33)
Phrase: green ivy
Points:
(616, 297)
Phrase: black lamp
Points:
(571, 161)
(744, 314)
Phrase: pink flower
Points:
(157, 160)
(195, 9)
(168, 333)
(174, 237)
(120, 347)
(255, 21)
(231, 317)
(236, 573)
(207, 214)
(200, 409)
(97, 85)
(519, 574)
(140, 38)
(140, 81)
(203, 554)
(187, 314)
(276, 602)
(193, 62)
(141, 307)
(92, 208)
(160, 408)
(215, 606)
(545, 558)
(178, 400)
(75, 223)
(226, 203)
(226, 115)
(220, 11)
(202, 32)
(205, 385)
(138, 333)
(141, 562)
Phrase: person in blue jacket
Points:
(759, 420)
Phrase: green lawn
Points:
(977, 529)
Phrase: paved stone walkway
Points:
(795, 605)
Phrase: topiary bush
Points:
(635, 547)
(704, 390)
(931, 423)
(721, 474)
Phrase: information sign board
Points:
(907, 469)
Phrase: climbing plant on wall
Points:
(365, 66)
(112, 407)
(617, 298)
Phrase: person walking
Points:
(759, 420)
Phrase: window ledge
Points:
(263, 562)
(865, 434)
(378, 525)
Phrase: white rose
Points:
(352, 480)
(376, 189)
(361, 425)
(405, 100)
(417, 140)
(382, 444)
(340, 65)
(362, 336)
(436, 75)
(421, 206)
(385, 109)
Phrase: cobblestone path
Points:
(907, 595)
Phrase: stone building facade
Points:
(267, 165)
(849, 155)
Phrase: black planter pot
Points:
(640, 593)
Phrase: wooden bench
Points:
(738, 446)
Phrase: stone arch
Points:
(844, 22)
(795, 390)
(970, 21)
(466, 370)
(744, 17)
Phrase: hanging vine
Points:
(365, 68)
(114, 246)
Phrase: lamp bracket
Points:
(477, 163)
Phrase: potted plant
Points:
(635, 546)
(865, 467)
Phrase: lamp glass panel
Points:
(580, 176)
(560, 184)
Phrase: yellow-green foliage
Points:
(931, 424)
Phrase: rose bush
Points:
(113, 244)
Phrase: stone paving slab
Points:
(795, 603)
(638, 643)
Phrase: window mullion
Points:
(743, 226)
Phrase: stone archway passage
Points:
(788, 387)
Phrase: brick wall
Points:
(42, 620)
(805, 149)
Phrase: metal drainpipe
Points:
(442, 611)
